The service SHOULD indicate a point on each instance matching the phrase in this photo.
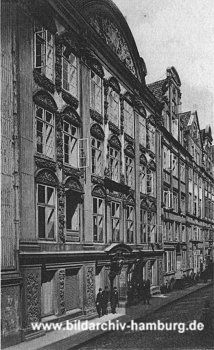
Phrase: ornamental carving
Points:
(152, 165)
(128, 138)
(69, 99)
(46, 177)
(128, 97)
(90, 287)
(139, 106)
(129, 201)
(44, 163)
(97, 132)
(151, 120)
(121, 114)
(61, 212)
(113, 83)
(62, 291)
(71, 115)
(129, 151)
(144, 204)
(32, 297)
(43, 81)
(98, 191)
(97, 180)
(73, 184)
(59, 140)
(58, 65)
(68, 171)
(114, 39)
(143, 159)
(96, 116)
(153, 207)
(97, 67)
(43, 99)
(114, 128)
(106, 88)
(115, 142)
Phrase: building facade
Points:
(187, 184)
(81, 157)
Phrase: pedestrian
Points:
(144, 292)
(147, 291)
(114, 300)
(99, 302)
(105, 301)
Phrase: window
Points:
(170, 260)
(151, 190)
(143, 184)
(166, 159)
(96, 156)
(175, 128)
(183, 203)
(114, 107)
(46, 204)
(152, 227)
(130, 224)
(175, 201)
(143, 226)
(44, 52)
(98, 219)
(114, 163)
(45, 138)
(174, 165)
(129, 163)
(115, 221)
(72, 211)
(182, 171)
(96, 93)
(69, 72)
(128, 119)
(70, 136)
(190, 203)
(151, 138)
(142, 131)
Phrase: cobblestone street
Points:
(185, 310)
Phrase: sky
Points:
(177, 33)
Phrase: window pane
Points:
(41, 194)
(50, 222)
(95, 205)
(50, 196)
(41, 222)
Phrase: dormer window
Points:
(44, 52)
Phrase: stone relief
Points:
(114, 39)
(71, 115)
(61, 212)
(46, 177)
(42, 162)
(32, 298)
(98, 191)
(45, 100)
(43, 81)
(62, 292)
(114, 128)
(97, 132)
(115, 142)
(96, 116)
(69, 99)
(129, 151)
(90, 287)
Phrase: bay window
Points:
(98, 219)
(96, 93)
(130, 224)
(46, 211)
(115, 221)
(45, 132)
(69, 72)
(44, 51)
(114, 107)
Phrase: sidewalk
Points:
(68, 339)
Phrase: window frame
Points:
(130, 221)
(98, 169)
(117, 219)
(94, 86)
(70, 138)
(74, 91)
(44, 131)
(98, 215)
(46, 206)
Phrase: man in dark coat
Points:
(99, 302)
(114, 300)
(105, 301)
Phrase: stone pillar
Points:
(60, 292)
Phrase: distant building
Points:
(187, 184)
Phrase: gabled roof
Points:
(158, 88)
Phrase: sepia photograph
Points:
(107, 174)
